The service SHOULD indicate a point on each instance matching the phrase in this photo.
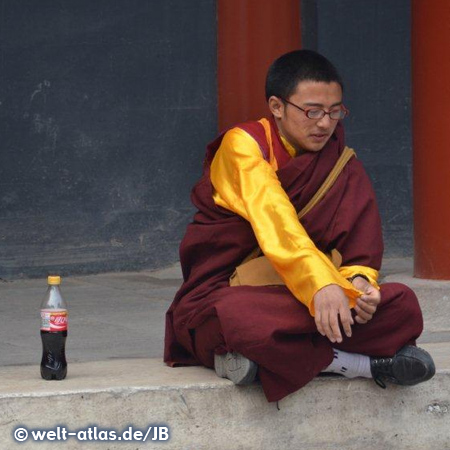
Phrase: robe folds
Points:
(268, 324)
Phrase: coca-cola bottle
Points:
(54, 321)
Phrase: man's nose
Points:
(324, 122)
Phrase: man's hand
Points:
(331, 305)
(368, 303)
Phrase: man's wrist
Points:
(358, 275)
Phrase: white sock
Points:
(350, 365)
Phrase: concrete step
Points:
(115, 384)
(433, 295)
(203, 411)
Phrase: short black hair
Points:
(300, 65)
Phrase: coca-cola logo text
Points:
(58, 320)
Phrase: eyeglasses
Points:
(319, 113)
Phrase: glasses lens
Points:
(338, 114)
(315, 113)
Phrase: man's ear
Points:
(276, 106)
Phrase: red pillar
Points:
(431, 137)
(251, 34)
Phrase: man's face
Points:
(304, 133)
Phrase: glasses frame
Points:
(306, 111)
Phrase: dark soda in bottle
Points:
(54, 321)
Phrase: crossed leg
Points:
(270, 327)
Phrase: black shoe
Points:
(410, 365)
(235, 367)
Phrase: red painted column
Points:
(431, 137)
(251, 34)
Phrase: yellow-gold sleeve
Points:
(247, 184)
(368, 272)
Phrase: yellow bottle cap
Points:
(54, 280)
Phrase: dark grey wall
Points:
(106, 107)
(105, 110)
(369, 41)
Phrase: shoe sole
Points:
(237, 368)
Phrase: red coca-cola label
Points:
(54, 320)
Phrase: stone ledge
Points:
(206, 412)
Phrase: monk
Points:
(322, 316)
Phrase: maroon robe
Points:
(268, 324)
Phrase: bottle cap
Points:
(54, 280)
